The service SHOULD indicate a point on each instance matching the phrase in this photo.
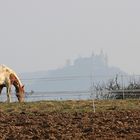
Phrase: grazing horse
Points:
(8, 78)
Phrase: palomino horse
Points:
(8, 78)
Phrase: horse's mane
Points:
(4, 67)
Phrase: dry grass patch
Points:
(71, 106)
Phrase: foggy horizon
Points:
(41, 35)
(73, 60)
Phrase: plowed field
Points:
(109, 125)
(77, 125)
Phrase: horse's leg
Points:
(1, 87)
(9, 94)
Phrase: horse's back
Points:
(4, 68)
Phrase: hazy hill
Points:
(73, 76)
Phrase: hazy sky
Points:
(43, 34)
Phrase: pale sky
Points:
(43, 34)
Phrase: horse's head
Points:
(21, 94)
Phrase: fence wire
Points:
(92, 87)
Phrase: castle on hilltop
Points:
(95, 60)
(76, 75)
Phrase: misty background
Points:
(38, 35)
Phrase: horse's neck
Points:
(16, 83)
(15, 80)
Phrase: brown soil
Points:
(112, 125)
